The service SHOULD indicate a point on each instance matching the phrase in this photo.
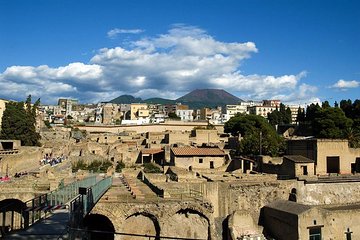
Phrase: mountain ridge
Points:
(198, 98)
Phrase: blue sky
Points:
(296, 51)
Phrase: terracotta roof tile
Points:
(151, 150)
(188, 151)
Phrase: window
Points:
(315, 233)
(200, 160)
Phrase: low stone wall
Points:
(329, 193)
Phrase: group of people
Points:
(19, 174)
(48, 159)
(3, 179)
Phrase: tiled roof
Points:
(151, 150)
(299, 159)
(189, 151)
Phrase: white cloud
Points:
(167, 65)
(342, 84)
(116, 31)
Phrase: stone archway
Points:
(187, 223)
(141, 223)
(99, 227)
(12, 211)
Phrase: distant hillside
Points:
(126, 99)
(200, 98)
(159, 101)
(196, 99)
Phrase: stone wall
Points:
(170, 126)
(328, 193)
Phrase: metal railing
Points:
(18, 215)
(82, 204)
(38, 207)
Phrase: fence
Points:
(18, 215)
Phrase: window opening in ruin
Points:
(305, 172)
(315, 233)
(355, 167)
(333, 164)
(200, 160)
(211, 164)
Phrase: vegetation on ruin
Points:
(95, 166)
(119, 167)
(259, 137)
(151, 168)
(18, 122)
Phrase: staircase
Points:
(128, 187)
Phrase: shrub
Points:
(119, 166)
(151, 168)
(95, 166)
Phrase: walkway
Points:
(53, 227)
(40, 224)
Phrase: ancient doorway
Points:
(99, 227)
(333, 164)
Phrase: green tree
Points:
(282, 116)
(172, 115)
(18, 122)
(300, 115)
(331, 122)
(256, 132)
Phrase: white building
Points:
(261, 110)
(185, 115)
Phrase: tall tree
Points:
(282, 116)
(257, 134)
(331, 123)
(18, 122)
(301, 115)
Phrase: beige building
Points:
(197, 158)
(289, 166)
(139, 111)
(330, 155)
(232, 110)
(286, 220)
(207, 136)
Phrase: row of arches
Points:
(185, 223)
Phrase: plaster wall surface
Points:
(328, 193)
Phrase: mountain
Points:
(159, 101)
(196, 99)
(200, 98)
(126, 99)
